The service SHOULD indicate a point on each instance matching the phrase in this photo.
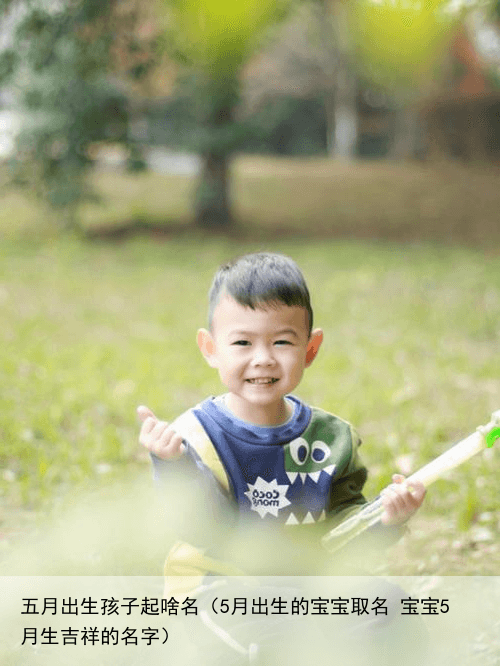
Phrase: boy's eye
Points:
(241, 342)
(282, 342)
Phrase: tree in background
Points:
(212, 40)
(341, 107)
(65, 63)
(310, 60)
(71, 64)
(334, 49)
(76, 66)
(399, 47)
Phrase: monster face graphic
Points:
(310, 470)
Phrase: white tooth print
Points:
(308, 519)
(315, 476)
(329, 470)
(292, 520)
(303, 476)
(292, 476)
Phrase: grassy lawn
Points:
(363, 200)
(89, 331)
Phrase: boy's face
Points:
(260, 355)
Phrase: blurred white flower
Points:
(405, 464)
(103, 468)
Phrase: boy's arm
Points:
(191, 479)
(165, 445)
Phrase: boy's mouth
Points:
(262, 380)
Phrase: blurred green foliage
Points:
(63, 65)
(212, 40)
(216, 37)
(58, 66)
(399, 44)
(285, 125)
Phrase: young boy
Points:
(270, 454)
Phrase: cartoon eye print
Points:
(307, 460)
(320, 451)
(299, 450)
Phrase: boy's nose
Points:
(263, 356)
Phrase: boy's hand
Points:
(401, 502)
(157, 437)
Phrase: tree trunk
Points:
(342, 117)
(346, 116)
(212, 207)
(211, 200)
(405, 133)
(68, 220)
(342, 143)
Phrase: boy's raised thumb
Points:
(144, 412)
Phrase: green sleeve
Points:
(346, 493)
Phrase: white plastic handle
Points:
(455, 456)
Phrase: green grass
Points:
(410, 357)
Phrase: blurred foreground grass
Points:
(89, 331)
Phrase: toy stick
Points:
(371, 513)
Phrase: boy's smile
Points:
(262, 380)
(260, 355)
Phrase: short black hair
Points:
(261, 278)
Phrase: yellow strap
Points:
(186, 566)
(190, 429)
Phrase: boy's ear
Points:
(315, 340)
(207, 346)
